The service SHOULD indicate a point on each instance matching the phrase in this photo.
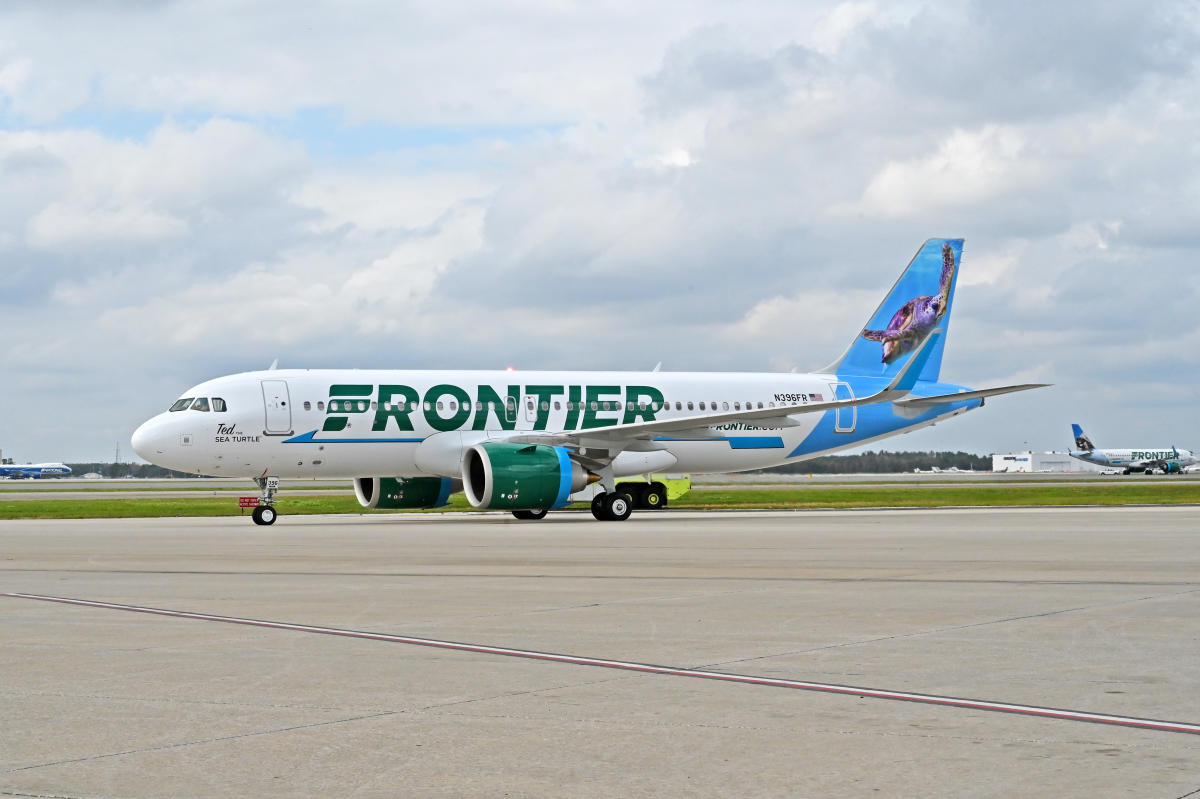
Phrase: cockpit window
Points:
(219, 405)
(201, 404)
(181, 404)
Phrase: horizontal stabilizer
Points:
(966, 395)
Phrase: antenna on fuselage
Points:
(274, 363)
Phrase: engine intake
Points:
(388, 493)
(499, 474)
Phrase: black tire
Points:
(530, 515)
(617, 506)
(655, 497)
(264, 514)
(598, 507)
(636, 493)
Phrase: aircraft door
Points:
(845, 419)
(278, 407)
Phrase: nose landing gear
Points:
(265, 512)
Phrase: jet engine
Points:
(387, 493)
(508, 476)
(1172, 467)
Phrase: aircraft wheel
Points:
(530, 515)
(636, 493)
(655, 497)
(264, 514)
(598, 507)
(617, 506)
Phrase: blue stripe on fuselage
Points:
(310, 438)
(736, 442)
(877, 420)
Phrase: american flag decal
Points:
(818, 398)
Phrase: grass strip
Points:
(1158, 493)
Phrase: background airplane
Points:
(34, 471)
(527, 441)
(1167, 460)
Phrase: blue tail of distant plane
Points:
(917, 306)
(1082, 442)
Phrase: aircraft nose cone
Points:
(143, 441)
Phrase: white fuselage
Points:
(359, 423)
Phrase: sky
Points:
(194, 189)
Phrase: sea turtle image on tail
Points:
(916, 317)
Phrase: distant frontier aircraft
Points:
(35, 471)
(1166, 460)
(526, 441)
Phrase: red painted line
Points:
(649, 668)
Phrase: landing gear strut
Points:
(265, 512)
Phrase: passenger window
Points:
(181, 404)
(701, 406)
(557, 405)
(428, 406)
(201, 404)
(374, 406)
(690, 408)
(737, 406)
(545, 405)
(219, 405)
(321, 405)
(439, 406)
(724, 406)
(307, 405)
(760, 404)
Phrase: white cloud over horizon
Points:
(190, 192)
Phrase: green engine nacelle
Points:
(1172, 467)
(511, 476)
(388, 493)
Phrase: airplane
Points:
(1167, 460)
(526, 442)
(35, 471)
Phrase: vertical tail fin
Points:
(1082, 442)
(918, 304)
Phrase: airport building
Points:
(1030, 461)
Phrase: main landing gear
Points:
(265, 512)
(613, 506)
(616, 506)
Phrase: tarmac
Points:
(810, 653)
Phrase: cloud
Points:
(197, 191)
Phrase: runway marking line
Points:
(649, 668)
